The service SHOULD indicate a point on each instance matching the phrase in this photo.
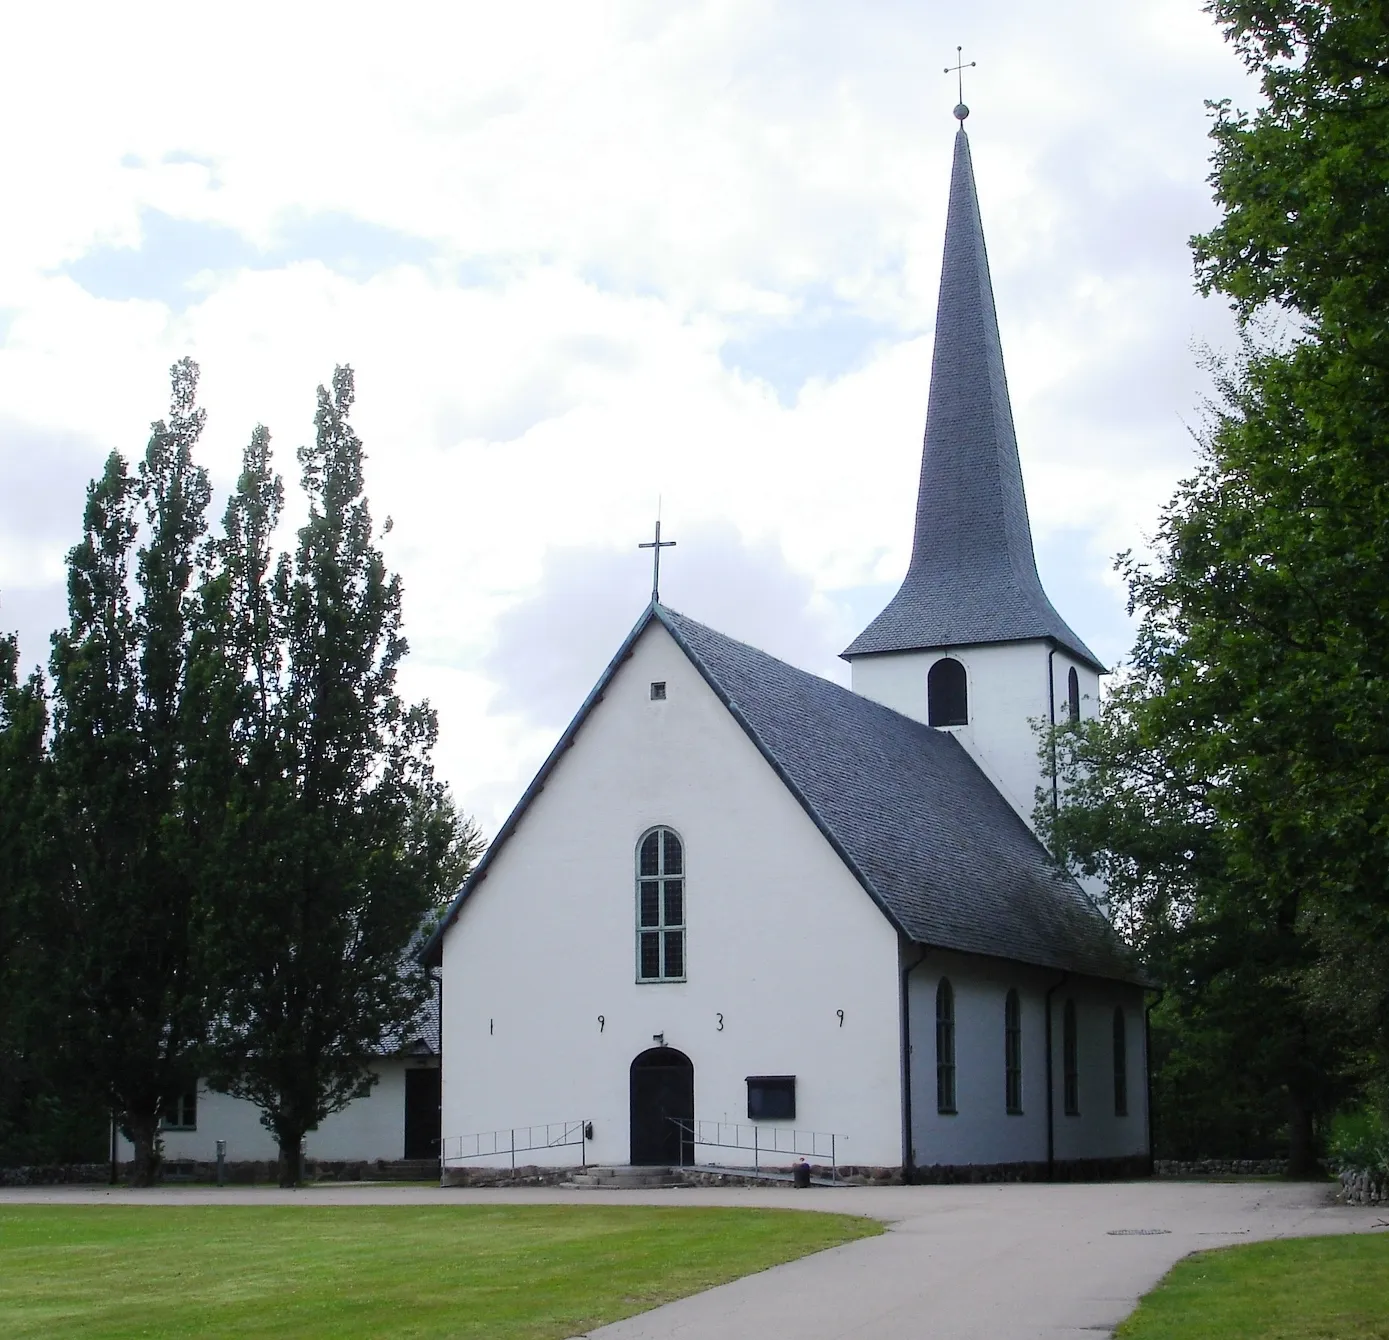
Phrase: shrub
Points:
(1360, 1142)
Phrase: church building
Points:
(744, 914)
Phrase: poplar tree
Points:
(119, 753)
(343, 839)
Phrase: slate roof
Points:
(929, 837)
(420, 1037)
(973, 576)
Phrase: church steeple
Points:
(973, 578)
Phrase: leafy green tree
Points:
(1297, 505)
(1237, 794)
(119, 750)
(343, 837)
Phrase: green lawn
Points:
(538, 1272)
(1296, 1289)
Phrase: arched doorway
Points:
(662, 1089)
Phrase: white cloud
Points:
(605, 253)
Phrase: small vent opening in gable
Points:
(658, 690)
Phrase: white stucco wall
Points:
(1007, 685)
(367, 1128)
(982, 1131)
(781, 938)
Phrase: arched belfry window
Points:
(1073, 695)
(945, 1046)
(660, 907)
(947, 694)
(1012, 1053)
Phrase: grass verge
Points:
(1334, 1288)
(536, 1272)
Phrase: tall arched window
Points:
(660, 907)
(1121, 1066)
(945, 1046)
(1073, 694)
(1012, 1053)
(947, 694)
(1070, 1061)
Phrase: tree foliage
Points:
(48, 1110)
(119, 746)
(217, 854)
(1236, 795)
(343, 837)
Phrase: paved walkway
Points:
(957, 1263)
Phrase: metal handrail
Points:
(759, 1140)
(513, 1140)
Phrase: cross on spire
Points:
(656, 546)
(961, 111)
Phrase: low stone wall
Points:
(1362, 1187)
(1220, 1167)
(55, 1174)
(239, 1172)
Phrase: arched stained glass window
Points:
(1121, 1066)
(1012, 1053)
(1070, 1061)
(1073, 694)
(945, 1046)
(660, 907)
(947, 694)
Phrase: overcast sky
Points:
(582, 256)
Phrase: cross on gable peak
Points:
(656, 546)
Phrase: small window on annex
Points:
(945, 1047)
(658, 690)
(180, 1113)
(1072, 695)
(1121, 1066)
(1012, 1054)
(947, 694)
(771, 1097)
(660, 907)
(1070, 1062)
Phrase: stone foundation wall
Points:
(1062, 1170)
(530, 1175)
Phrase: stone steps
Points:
(623, 1178)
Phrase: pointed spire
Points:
(973, 577)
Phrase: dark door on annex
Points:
(422, 1120)
(662, 1094)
